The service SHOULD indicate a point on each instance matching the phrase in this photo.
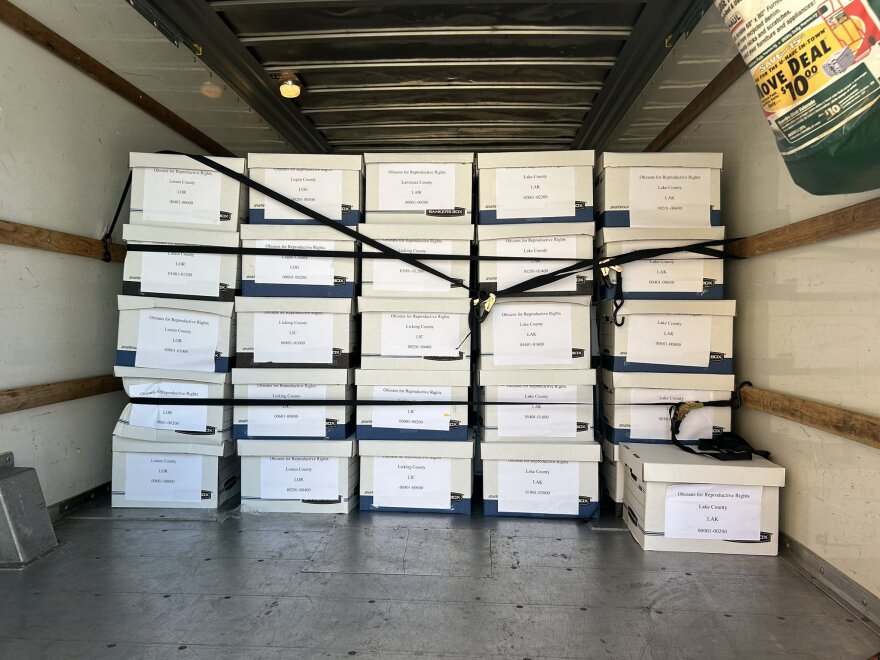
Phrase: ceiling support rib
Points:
(592, 31)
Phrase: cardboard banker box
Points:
(392, 277)
(170, 333)
(280, 476)
(444, 421)
(559, 480)
(330, 184)
(537, 333)
(535, 186)
(674, 336)
(176, 191)
(613, 471)
(572, 241)
(556, 405)
(173, 476)
(295, 333)
(679, 502)
(425, 189)
(294, 276)
(427, 476)
(290, 421)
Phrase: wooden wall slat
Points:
(35, 396)
(14, 233)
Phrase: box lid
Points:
(443, 232)
(669, 464)
(175, 236)
(149, 447)
(292, 233)
(416, 448)
(611, 451)
(420, 158)
(695, 307)
(242, 376)
(172, 374)
(525, 230)
(625, 234)
(541, 451)
(326, 305)
(538, 377)
(146, 302)
(664, 381)
(182, 162)
(305, 161)
(583, 301)
(416, 305)
(659, 159)
(329, 448)
(412, 377)
(510, 159)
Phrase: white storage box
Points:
(415, 333)
(629, 417)
(679, 502)
(535, 186)
(419, 188)
(292, 422)
(297, 277)
(416, 476)
(533, 422)
(173, 475)
(168, 333)
(537, 333)
(559, 480)
(420, 422)
(295, 333)
(298, 476)
(569, 241)
(612, 472)
(391, 277)
(176, 191)
(673, 336)
(330, 184)
(658, 189)
(199, 276)
(174, 423)
(675, 276)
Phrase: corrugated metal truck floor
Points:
(134, 584)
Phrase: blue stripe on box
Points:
(621, 436)
(249, 288)
(619, 363)
(489, 217)
(222, 365)
(258, 217)
(585, 511)
(715, 292)
(338, 432)
(365, 432)
(621, 219)
(462, 506)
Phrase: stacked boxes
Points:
(297, 339)
(176, 336)
(538, 447)
(415, 336)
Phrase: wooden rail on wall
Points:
(14, 233)
(24, 398)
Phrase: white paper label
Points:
(531, 333)
(535, 420)
(318, 190)
(514, 272)
(534, 192)
(428, 418)
(413, 483)
(293, 337)
(679, 339)
(170, 418)
(163, 477)
(416, 187)
(294, 270)
(391, 275)
(177, 339)
(669, 197)
(186, 196)
(181, 273)
(271, 421)
(538, 487)
(299, 478)
(664, 276)
(707, 511)
(420, 335)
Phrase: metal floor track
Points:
(165, 585)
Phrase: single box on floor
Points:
(427, 476)
(288, 421)
(679, 502)
(330, 184)
(294, 276)
(173, 475)
(559, 479)
(298, 476)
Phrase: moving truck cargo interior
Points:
(440, 329)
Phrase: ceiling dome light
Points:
(289, 89)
